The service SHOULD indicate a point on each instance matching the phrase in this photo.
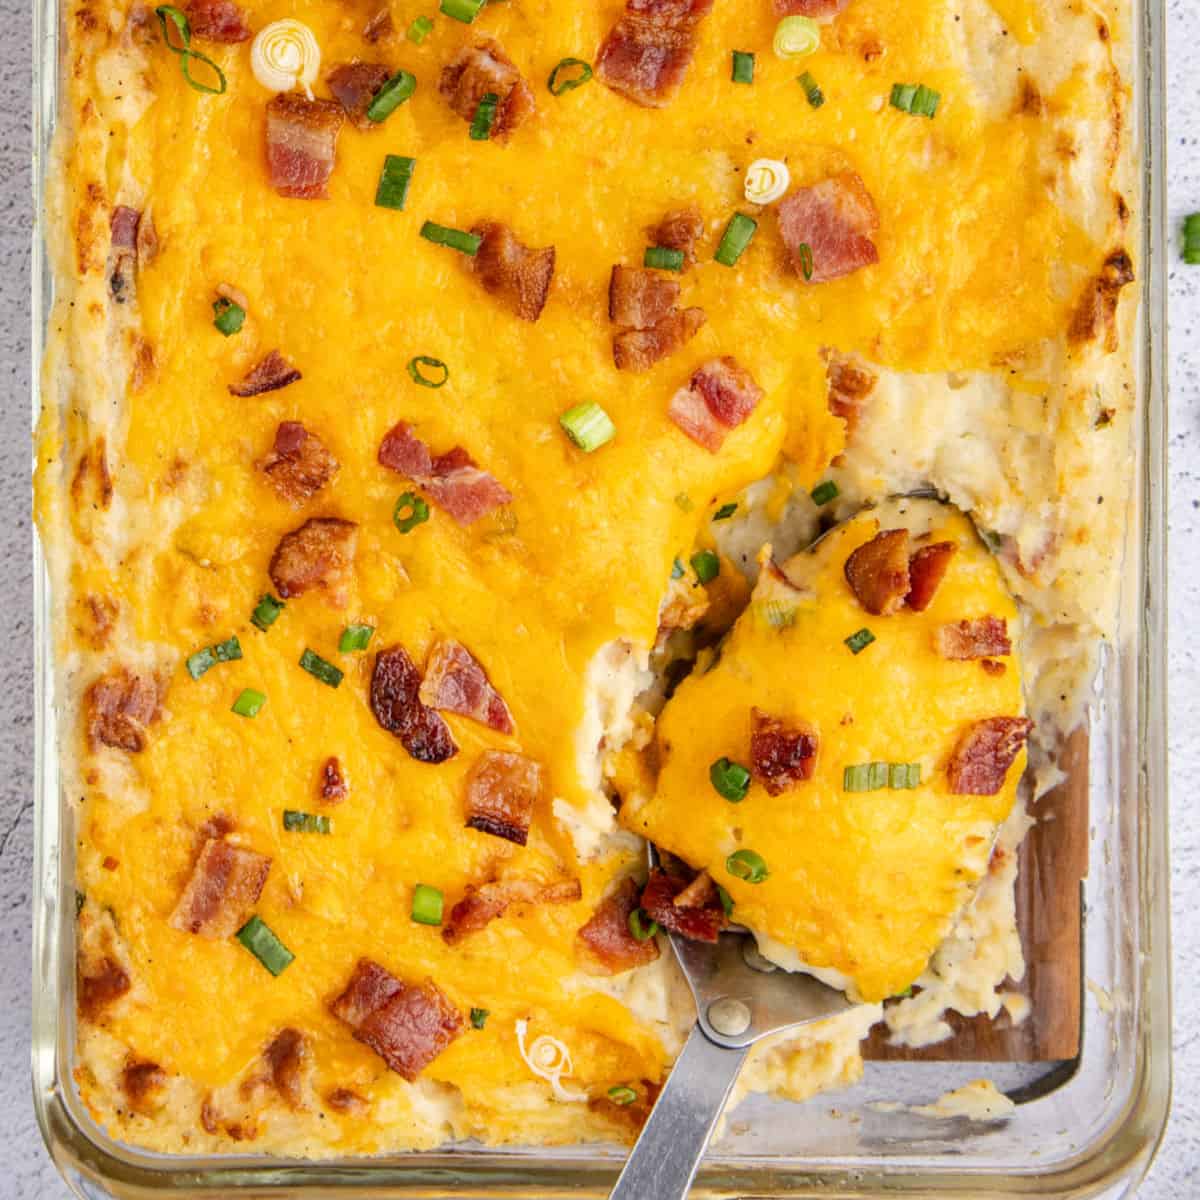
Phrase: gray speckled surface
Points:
(26, 1173)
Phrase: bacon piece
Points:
(302, 144)
(512, 271)
(850, 384)
(836, 219)
(142, 1081)
(320, 554)
(403, 452)
(700, 922)
(981, 637)
(817, 10)
(926, 570)
(101, 983)
(640, 298)
(380, 26)
(224, 887)
(477, 70)
(299, 464)
(877, 572)
(334, 788)
(456, 682)
(607, 935)
(780, 755)
(719, 397)
(407, 1025)
(396, 703)
(129, 251)
(217, 21)
(991, 667)
(985, 751)
(646, 53)
(480, 906)
(268, 375)
(285, 1058)
(354, 85)
(680, 229)
(123, 225)
(640, 349)
(501, 792)
(120, 706)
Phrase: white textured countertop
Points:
(26, 1172)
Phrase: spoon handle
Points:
(672, 1143)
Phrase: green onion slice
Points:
(463, 10)
(824, 492)
(318, 668)
(202, 660)
(568, 75)
(266, 612)
(778, 614)
(677, 569)
(735, 239)
(873, 776)
(796, 37)
(622, 1094)
(729, 779)
(419, 30)
(249, 702)
(804, 253)
(258, 938)
(588, 426)
(663, 258)
(726, 900)
(389, 97)
(812, 89)
(485, 117)
(904, 775)
(641, 926)
(479, 1017)
(355, 637)
(305, 822)
(743, 67)
(1191, 239)
(456, 239)
(706, 565)
(748, 865)
(427, 905)
(435, 365)
(168, 12)
(859, 640)
(410, 511)
(916, 99)
(228, 317)
(394, 180)
(725, 511)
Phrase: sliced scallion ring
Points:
(588, 426)
(796, 37)
(410, 511)
(641, 926)
(561, 82)
(440, 373)
(747, 865)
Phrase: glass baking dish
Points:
(1082, 1128)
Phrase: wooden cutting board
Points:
(1052, 865)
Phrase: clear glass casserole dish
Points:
(1082, 1127)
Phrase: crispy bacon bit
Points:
(343, 1100)
(980, 761)
(142, 1081)
(456, 682)
(101, 983)
(640, 298)
(320, 554)
(477, 70)
(223, 889)
(217, 21)
(299, 464)
(120, 706)
(991, 667)
(333, 787)
(877, 572)
(482, 905)
(407, 1025)
(780, 755)
(978, 638)
(501, 792)
(640, 349)
(268, 375)
(1095, 315)
(354, 85)
(452, 480)
(818, 10)
(926, 570)
(285, 1057)
(719, 397)
(217, 826)
(646, 53)
(123, 225)
(302, 144)
(396, 703)
(680, 229)
(511, 271)
(380, 26)
(607, 936)
(701, 922)
(836, 219)
(850, 384)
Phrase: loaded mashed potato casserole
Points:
(441, 411)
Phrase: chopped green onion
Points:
(859, 640)
(419, 30)
(729, 779)
(249, 702)
(167, 12)
(479, 1017)
(463, 10)
(257, 937)
(202, 660)
(824, 492)
(677, 569)
(877, 775)
(305, 822)
(804, 253)
(812, 89)
(622, 1094)
(684, 501)
(410, 511)
(725, 511)
(706, 565)
(904, 775)
(227, 316)
(663, 258)
(778, 614)
(743, 67)
(855, 778)
(748, 865)
(389, 97)
(559, 86)
(726, 900)
(318, 668)
(427, 905)
(588, 426)
(485, 117)
(795, 37)
(456, 239)
(916, 99)
(904, 995)
(871, 777)
(641, 926)
(1191, 239)
(355, 637)
(266, 612)
(435, 365)
(394, 181)
(735, 239)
